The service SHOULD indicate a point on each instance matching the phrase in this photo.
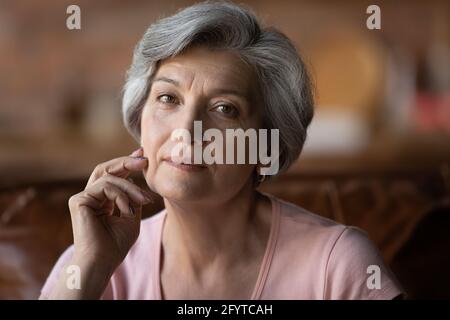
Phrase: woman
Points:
(217, 238)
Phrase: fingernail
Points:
(136, 152)
(140, 158)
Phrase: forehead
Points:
(220, 68)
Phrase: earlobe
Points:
(261, 178)
(258, 177)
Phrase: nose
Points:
(192, 118)
(187, 129)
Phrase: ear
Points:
(258, 178)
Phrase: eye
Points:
(227, 110)
(167, 98)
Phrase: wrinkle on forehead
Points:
(219, 69)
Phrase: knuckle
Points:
(108, 176)
(72, 200)
(108, 185)
(100, 170)
(103, 182)
(106, 179)
(116, 182)
(111, 189)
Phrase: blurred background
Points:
(377, 155)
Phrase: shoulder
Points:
(356, 269)
(339, 258)
(298, 224)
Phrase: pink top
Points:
(307, 257)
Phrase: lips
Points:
(184, 165)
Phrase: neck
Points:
(203, 235)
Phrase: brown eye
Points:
(227, 110)
(167, 98)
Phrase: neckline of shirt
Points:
(265, 264)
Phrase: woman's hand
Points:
(106, 216)
(106, 220)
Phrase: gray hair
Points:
(283, 80)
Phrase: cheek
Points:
(153, 136)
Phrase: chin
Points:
(180, 187)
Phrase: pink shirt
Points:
(307, 257)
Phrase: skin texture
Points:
(217, 226)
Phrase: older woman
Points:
(217, 238)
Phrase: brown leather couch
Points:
(405, 213)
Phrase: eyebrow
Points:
(168, 80)
(232, 92)
(215, 92)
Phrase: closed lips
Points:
(184, 164)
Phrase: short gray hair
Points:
(283, 80)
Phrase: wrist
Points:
(93, 265)
(92, 276)
(96, 262)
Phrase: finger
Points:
(137, 210)
(137, 153)
(120, 167)
(84, 199)
(120, 200)
(111, 194)
(89, 201)
(137, 194)
(96, 190)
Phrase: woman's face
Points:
(211, 86)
